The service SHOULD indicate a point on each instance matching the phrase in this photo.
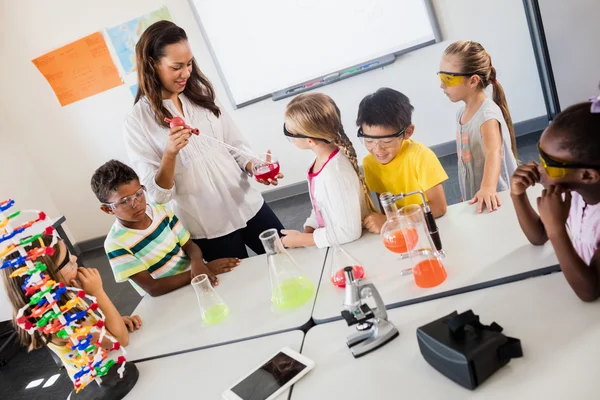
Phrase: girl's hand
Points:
(223, 265)
(178, 139)
(553, 210)
(525, 176)
(487, 196)
(292, 238)
(90, 281)
(199, 268)
(133, 323)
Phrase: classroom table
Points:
(482, 250)
(205, 374)
(558, 332)
(172, 322)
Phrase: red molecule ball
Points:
(94, 306)
(120, 360)
(81, 294)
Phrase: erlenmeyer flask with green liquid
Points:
(289, 288)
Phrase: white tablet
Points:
(271, 379)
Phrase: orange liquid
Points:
(429, 273)
(396, 241)
(339, 279)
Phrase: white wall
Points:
(572, 28)
(66, 144)
(22, 183)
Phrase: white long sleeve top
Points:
(212, 194)
(337, 189)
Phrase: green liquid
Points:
(293, 293)
(215, 314)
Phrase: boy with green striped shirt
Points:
(147, 244)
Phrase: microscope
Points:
(388, 198)
(374, 330)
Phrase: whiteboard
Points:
(262, 46)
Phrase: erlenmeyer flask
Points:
(289, 288)
(212, 307)
(339, 258)
(395, 239)
(428, 269)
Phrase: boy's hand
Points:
(90, 281)
(133, 323)
(525, 176)
(487, 196)
(223, 265)
(374, 222)
(199, 268)
(554, 211)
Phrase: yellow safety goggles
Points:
(556, 169)
(453, 78)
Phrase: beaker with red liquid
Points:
(427, 266)
(267, 169)
(341, 259)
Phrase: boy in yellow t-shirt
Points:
(397, 164)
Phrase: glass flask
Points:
(339, 258)
(212, 307)
(268, 169)
(289, 288)
(396, 238)
(428, 269)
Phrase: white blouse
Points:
(336, 189)
(212, 194)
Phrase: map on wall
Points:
(125, 36)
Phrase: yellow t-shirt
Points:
(415, 167)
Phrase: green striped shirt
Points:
(157, 249)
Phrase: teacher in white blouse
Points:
(207, 186)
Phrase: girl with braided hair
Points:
(313, 122)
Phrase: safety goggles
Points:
(292, 136)
(556, 169)
(128, 201)
(384, 142)
(65, 261)
(452, 78)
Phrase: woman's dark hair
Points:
(580, 132)
(148, 51)
(385, 107)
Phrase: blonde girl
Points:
(313, 122)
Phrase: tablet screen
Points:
(266, 380)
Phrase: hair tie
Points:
(595, 104)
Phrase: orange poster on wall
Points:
(80, 69)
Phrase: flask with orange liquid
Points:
(428, 270)
(394, 238)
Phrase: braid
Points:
(346, 146)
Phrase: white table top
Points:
(559, 335)
(479, 247)
(172, 322)
(205, 374)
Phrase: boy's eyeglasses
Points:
(384, 142)
(299, 136)
(452, 78)
(128, 201)
(558, 169)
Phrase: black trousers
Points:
(234, 244)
